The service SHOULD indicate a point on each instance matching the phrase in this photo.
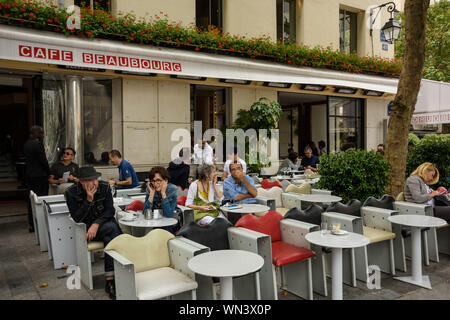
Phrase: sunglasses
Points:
(68, 154)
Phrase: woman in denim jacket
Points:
(161, 194)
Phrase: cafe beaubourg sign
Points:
(76, 57)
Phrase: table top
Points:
(248, 208)
(226, 263)
(154, 223)
(416, 220)
(349, 240)
(310, 181)
(320, 198)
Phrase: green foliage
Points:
(354, 174)
(263, 114)
(413, 139)
(437, 33)
(435, 149)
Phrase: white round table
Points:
(337, 243)
(416, 222)
(147, 225)
(317, 198)
(227, 264)
(247, 208)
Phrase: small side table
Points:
(416, 222)
(227, 264)
(142, 226)
(337, 243)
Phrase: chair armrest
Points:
(188, 214)
(124, 276)
(294, 232)
(290, 200)
(348, 222)
(181, 250)
(320, 191)
(377, 218)
(267, 202)
(404, 207)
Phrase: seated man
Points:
(233, 157)
(310, 161)
(63, 173)
(179, 170)
(239, 187)
(91, 202)
(127, 176)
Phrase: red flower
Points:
(50, 20)
(89, 33)
(22, 20)
(31, 15)
(197, 48)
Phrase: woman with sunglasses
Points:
(161, 194)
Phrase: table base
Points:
(226, 288)
(424, 282)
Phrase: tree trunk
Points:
(407, 91)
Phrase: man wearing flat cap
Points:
(90, 201)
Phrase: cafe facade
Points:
(97, 95)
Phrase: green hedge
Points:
(435, 149)
(354, 174)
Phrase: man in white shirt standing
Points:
(203, 153)
(233, 157)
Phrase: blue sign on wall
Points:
(389, 107)
(384, 47)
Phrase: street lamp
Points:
(391, 29)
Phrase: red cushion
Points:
(284, 253)
(266, 184)
(136, 205)
(181, 201)
(268, 224)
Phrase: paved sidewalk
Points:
(23, 269)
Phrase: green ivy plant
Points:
(354, 174)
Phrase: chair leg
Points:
(391, 252)
(194, 294)
(257, 286)
(275, 282)
(310, 282)
(92, 257)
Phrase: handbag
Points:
(441, 201)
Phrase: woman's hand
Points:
(204, 208)
(214, 178)
(433, 193)
(164, 188)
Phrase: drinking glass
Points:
(323, 228)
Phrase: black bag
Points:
(441, 201)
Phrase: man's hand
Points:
(112, 182)
(240, 175)
(90, 191)
(61, 181)
(92, 232)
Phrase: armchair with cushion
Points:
(290, 251)
(152, 267)
(402, 245)
(283, 201)
(313, 216)
(375, 226)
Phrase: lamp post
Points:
(391, 29)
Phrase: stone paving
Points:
(23, 269)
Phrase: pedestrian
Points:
(37, 169)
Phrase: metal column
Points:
(74, 117)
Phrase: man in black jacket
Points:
(37, 170)
(179, 170)
(91, 202)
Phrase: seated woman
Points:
(291, 163)
(417, 190)
(202, 193)
(161, 194)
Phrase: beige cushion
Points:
(376, 235)
(282, 210)
(162, 282)
(95, 245)
(400, 197)
(304, 188)
(272, 193)
(147, 253)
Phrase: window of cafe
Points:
(103, 4)
(345, 123)
(286, 22)
(347, 31)
(97, 117)
(208, 13)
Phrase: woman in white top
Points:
(202, 195)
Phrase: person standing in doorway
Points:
(37, 169)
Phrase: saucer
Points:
(339, 233)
